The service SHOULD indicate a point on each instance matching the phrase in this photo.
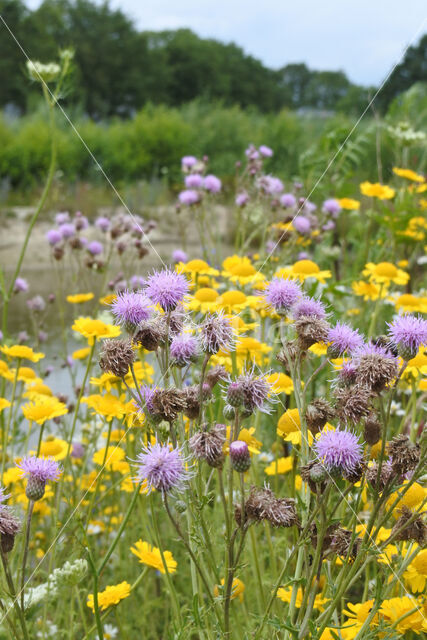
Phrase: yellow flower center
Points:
(206, 294)
(243, 270)
(197, 266)
(51, 447)
(233, 297)
(420, 563)
(386, 269)
(305, 267)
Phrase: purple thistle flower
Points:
(179, 256)
(162, 468)
(251, 152)
(188, 197)
(338, 450)
(343, 339)
(282, 293)
(184, 349)
(255, 391)
(242, 199)
(347, 374)
(328, 226)
(166, 288)
(95, 248)
(303, 255)
(20, 285)
(309, 307)
(240, 456)
(136, 282)
(53, 236)
(331, 206)
(39, 472)
(193, 181)
(67, 230)
(408, 333)
(216, 333)
(212, 183)
(308, 206)
(288, 200)
(271, 184)
(147, 394)
(188, 161)
(301, 224)
(265, 151)
(103, 223)
(62, 217)
(80, 221)
(131, 307)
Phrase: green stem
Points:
(9, 580)
(27, 542)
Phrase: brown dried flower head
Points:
(116, 357)
(208, 445)
(168, 403)
(404, 454)
(262, 504)
(415, 530)
(372, 430)
(352, 403)
(311, 330)
(318, 413)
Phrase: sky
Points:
(364, 38)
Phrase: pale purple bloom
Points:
(137, 282)
(194, 181)
(78, 450)
(265, 151)
(147, 394)
(67, 230)
(344, 339)
(212, 183)
(20, 285)
(338, 450)
(255, 391)
(131, 307)
(184, 348)
(166, 288)
(408, 332)
(103, 223)
(188, 161)
(240, 457)
(23, 337)
(242, 199)
(95, 248)
(270, 246)
(271, 184)
(288, 200)
(303, 255)
(43, 336)
(347, 373)
(163, 468)
(216, 333)
(301, 224)
(252, 153)
(188, 197)
(309, 207)
(36, 304)
(282, 293)
(329, 226)
(53, 236)
(179, 256)
(309, 307)
(331, 206)
(42, 469)
(62, 217)
(80, 221)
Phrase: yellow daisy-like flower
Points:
(289, 427)
(396, 611)
(151, 556)
(237, 589)
(233, 300)
(242, 272)
(349, 204)
(204, 300)
(408, 174)
(108, 299)
(45, 408)
(368, 290)
(5, 372)
(108, 405)
(285, 594)
(281, 465)
(91, 329)
(37, 389)
(418, 365)
(21, 351)
(384, 273)
(357, 613)
(114, 458)
(377, 190)
(78, 298)
(112, 595)
(81, 354)
(247, 436)
(411, 499)
(54, 448)
(248, 348)
(411, 304)
(319, 349)
(303, 269)
(195, 268)
(281, 383)
(416, 573)
(4, 404)
(26, 374)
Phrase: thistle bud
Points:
(35, 488)
(372, 430)
(235, 394)
(240, 456)
(229, 412)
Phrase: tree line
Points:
(119, 69)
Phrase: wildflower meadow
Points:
(230, 441)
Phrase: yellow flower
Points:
(396, 609)
(21, 351)
(77, 298)
(289, 427)
(54, 448)
(377, 190)
(319, 349)
(247, 436)
(91, 329)
(368, 290)
(410, 303)
(281, 465)
(151, 556)
(108, 299)
(384, 273)
(196, 267)
(281, 383)
(285, 594)
(412, 498)
(408, 174)
(37, 389)
(233, 300)
(5, 372)
(4, 404)
(25, 374)
(303, 269)
(112, 595)
(417, 365)
(114, 458)
(357, 613)
(416, 573)
(108, 405)
(45, 408)
(349, 203)
(237, 589)
(241, 271)
(81, 354)
(204, 300)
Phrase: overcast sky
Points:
(365, 38)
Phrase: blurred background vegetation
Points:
(141, 100)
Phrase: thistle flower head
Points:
(310, 308)
(39, 472)
(282, 293)
(131, 307)
(408, 333)
(116, 357)
(375, 367)
(343, 339)
(166, 288)
(216, 333)
(184, 348)
(162, 467)
(255, 391)
(262, 504)
(339, 451)
(208, 445)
